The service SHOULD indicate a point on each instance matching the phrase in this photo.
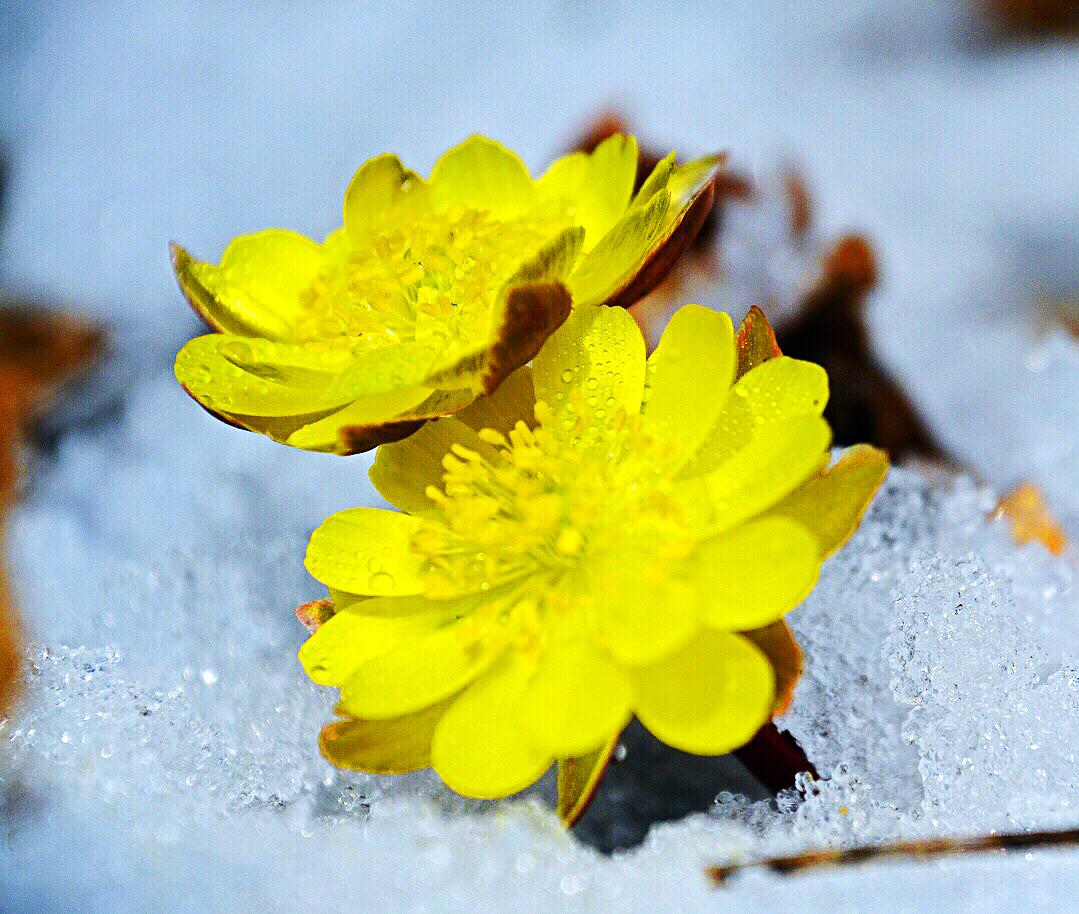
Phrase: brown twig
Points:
(918, 850)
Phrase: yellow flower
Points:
(431, 293)
(585, 545)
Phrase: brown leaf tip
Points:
(315, 614)
(1030, 518)
(853, 263)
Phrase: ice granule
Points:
(996, 725)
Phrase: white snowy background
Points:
(164, 758)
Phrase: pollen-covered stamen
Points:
(433, 279)
(542, 504)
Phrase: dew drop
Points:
(380, 581)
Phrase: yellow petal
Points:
(257, 288)
(279, 428)
(562, 181)
(577, 699)
(480, 748)
(531, 305)
(782, 388)
(732, 431)
(342, 599)
(831, 505)
(394, 746)
(709, 698)
(597, 185)
(236, 374)
(643, 612)
(690, 374)
(754, 574)
(656, 181)
(402, 471)
(411, 605)
(513, 401)
(774, 462)
(482, 174)
(594, 362)
(351, 637)
(619, 254)
(367, 551)
(356, 437)
(336, 243)
(642, 247)
(383, 369)
(779, 389)
(432, 665)
(606, 187)
(325, 434)
(382, 187)
(687, 180)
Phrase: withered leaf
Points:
(829, 328)
(578, 780)
(1031, 521)
(778, 644)
(1034, 17)
(755, 341)
(314, 614)
(39, 352)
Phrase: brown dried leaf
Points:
(778, 644)
(829, 328)
(1028, 514)
(315, 614)
(9, 649)
(756, 342)
(1034, 17)
(799, 202)
(39, 352)
(578, 781)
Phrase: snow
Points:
(164, 758)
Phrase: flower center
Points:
(542, 506)
(433, 279)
